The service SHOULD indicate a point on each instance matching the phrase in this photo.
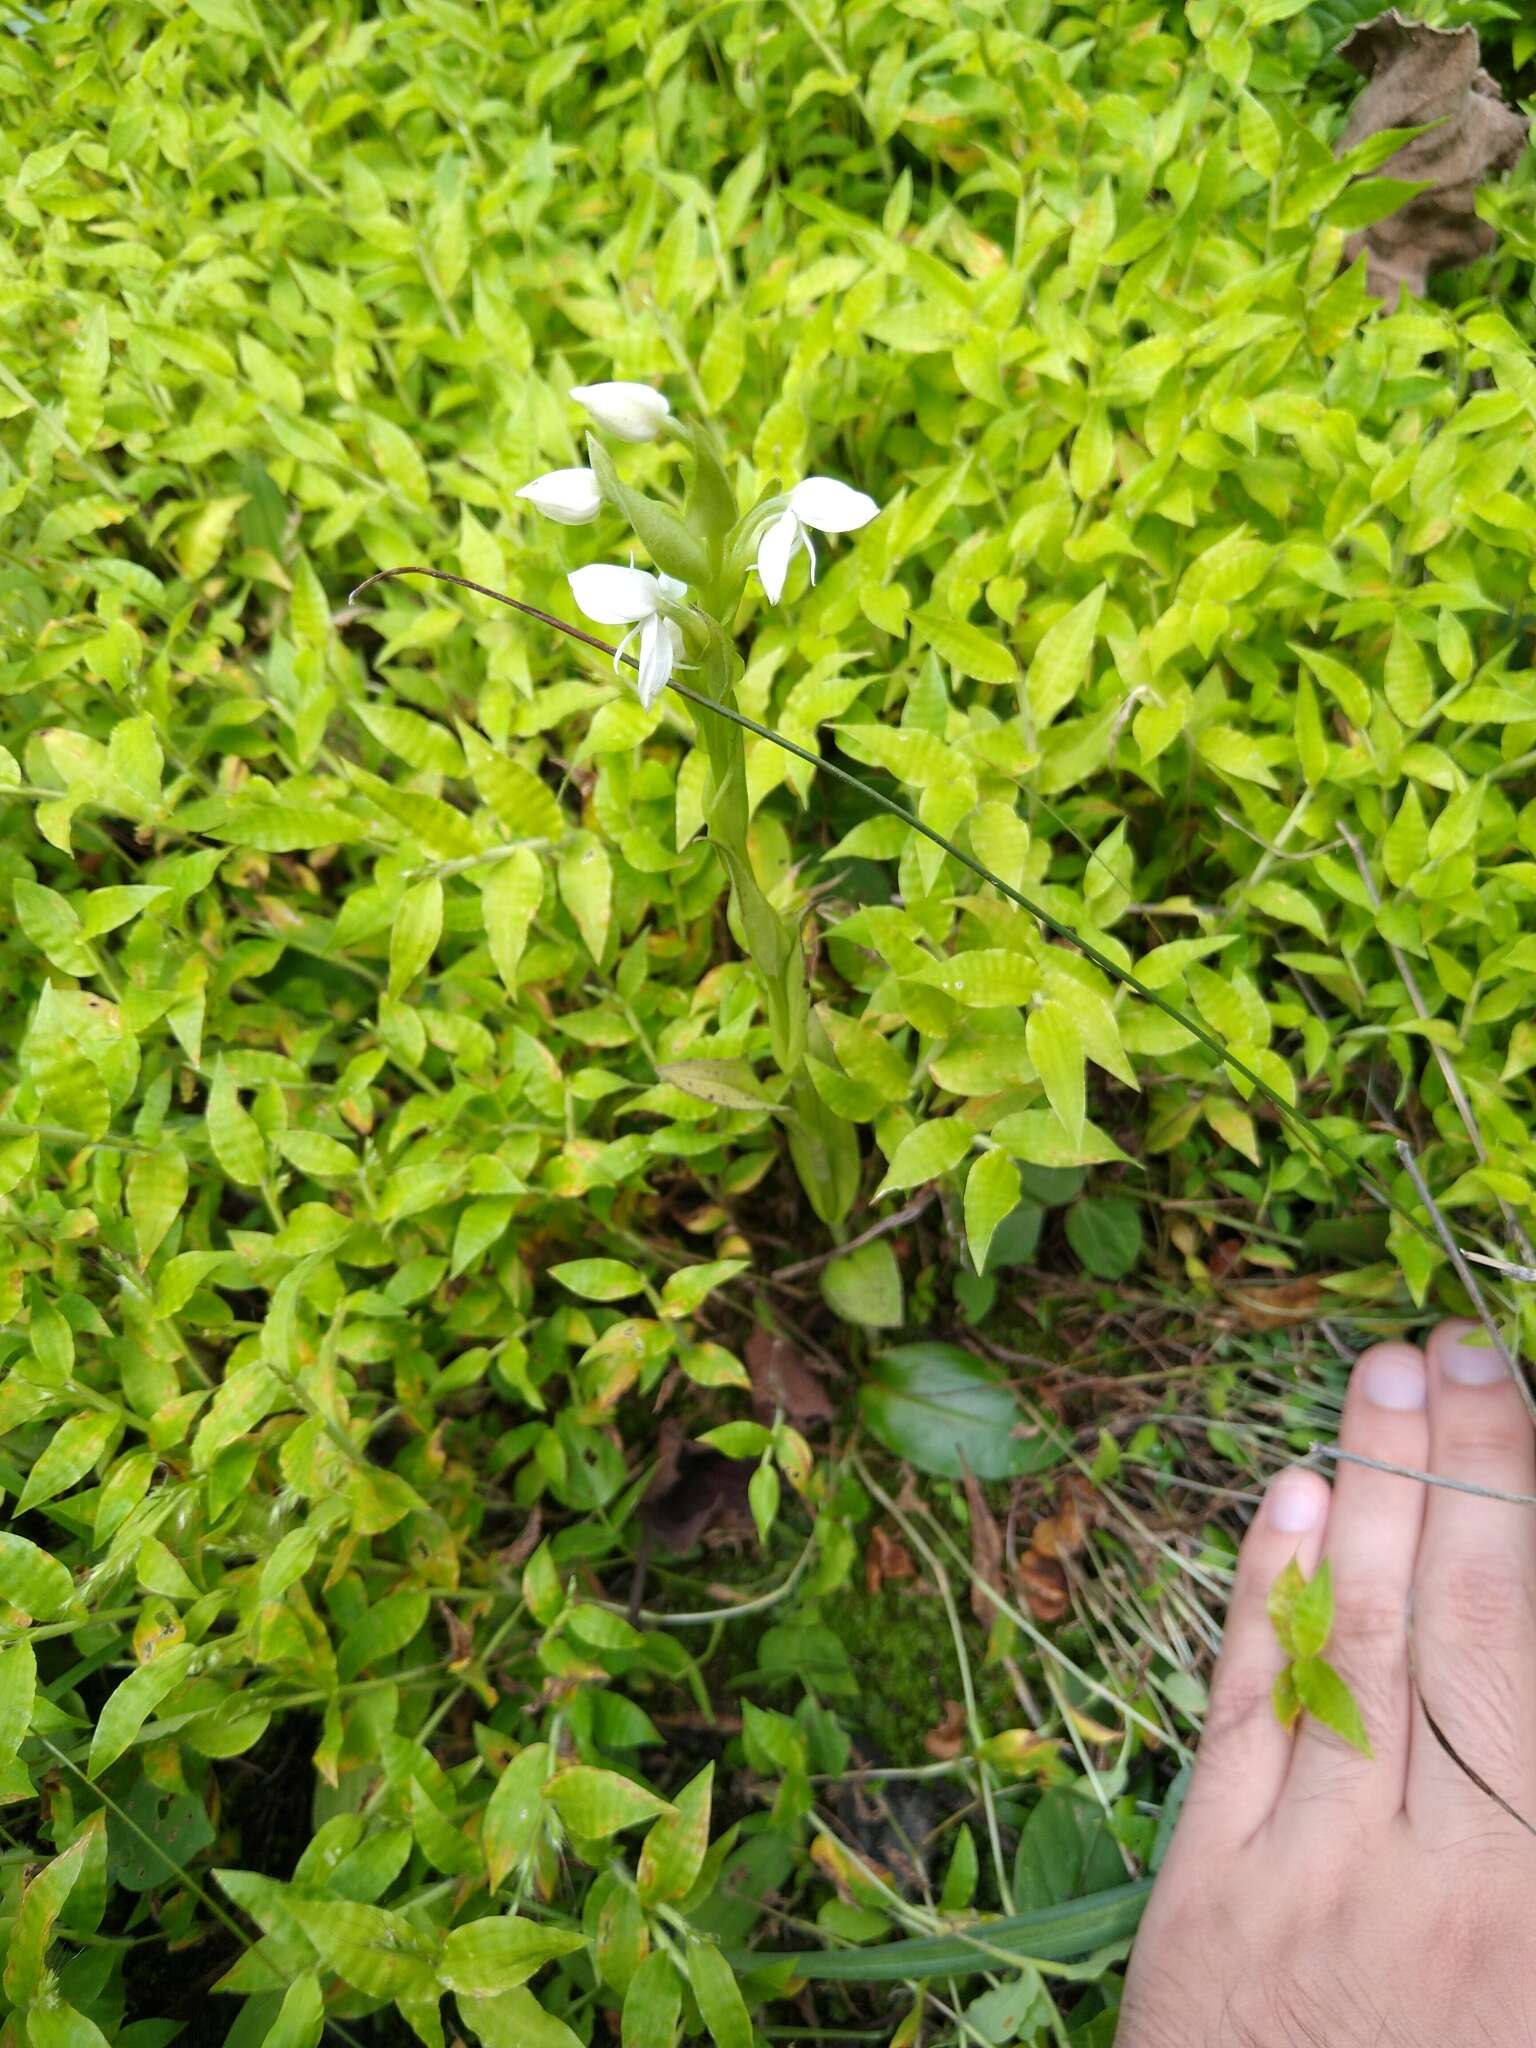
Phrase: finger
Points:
(1373, 1540)
(1474, 1625)
(1244, 1751)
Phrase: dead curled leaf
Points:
(986, 1554)
(1415, 74)
(886, 1560)
(1043, 1582)
(518, 1552)
(951, 1738)
(1264, 1304)
(1078, 1509)
(782, 1382)
(1041, 1574)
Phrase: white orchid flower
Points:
(820, 502)
(634, 412)
(634, 597)
(569, 495)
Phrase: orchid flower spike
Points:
(631, 412)
(569, 495)
(820, 502)
(613, 596)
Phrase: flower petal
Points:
(671, 587)
(655, 660)
(632, 412)
(775, 552)
(612, 595)
(831, 507)
(569, 495)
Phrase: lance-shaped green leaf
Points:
(41, 1903)
(991, 1193)
(595, 1803)
(1060, 664)
(721, 2004)
(653, 2005)
(486, 1956)
(515, 1813)
(673, 1852)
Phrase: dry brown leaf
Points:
(951, 1738)
(886, 1560)
(518, 1552)
(1043, 1583)
(986, 1554)
(1263, 1305)
(461, 1637)
(1077, 1509)
(1415, 74)
(782, 1380)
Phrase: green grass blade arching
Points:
(1056, 1934)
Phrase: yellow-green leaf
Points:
(72, 1450)
(991, 1193)
(673, 1852)
(932, 1149)
(417, 928)
(1061, 660)
(514, 1813)
(1056, 1047)
(233, 1132)
(595, 1804)
(981, 656)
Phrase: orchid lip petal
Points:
(775, 552)
(655, 660)
(830, 506)
(614, 596)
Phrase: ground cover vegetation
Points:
(612, 1363)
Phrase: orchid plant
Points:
(682, 615)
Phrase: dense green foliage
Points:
(389, 1114)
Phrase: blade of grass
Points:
(1052, 1934)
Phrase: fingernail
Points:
(1393, 1377)
(1293, 1503)
(1469, 1357)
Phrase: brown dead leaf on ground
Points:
(1078, 1509)
(886, 1560)
(696, 1495)
(1043, 1582)
(1268, 1305)
(1416, 74)
(951, 1738)
(781, 1379)
(986, 1553)
(461, 1637)
(518, 1552)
